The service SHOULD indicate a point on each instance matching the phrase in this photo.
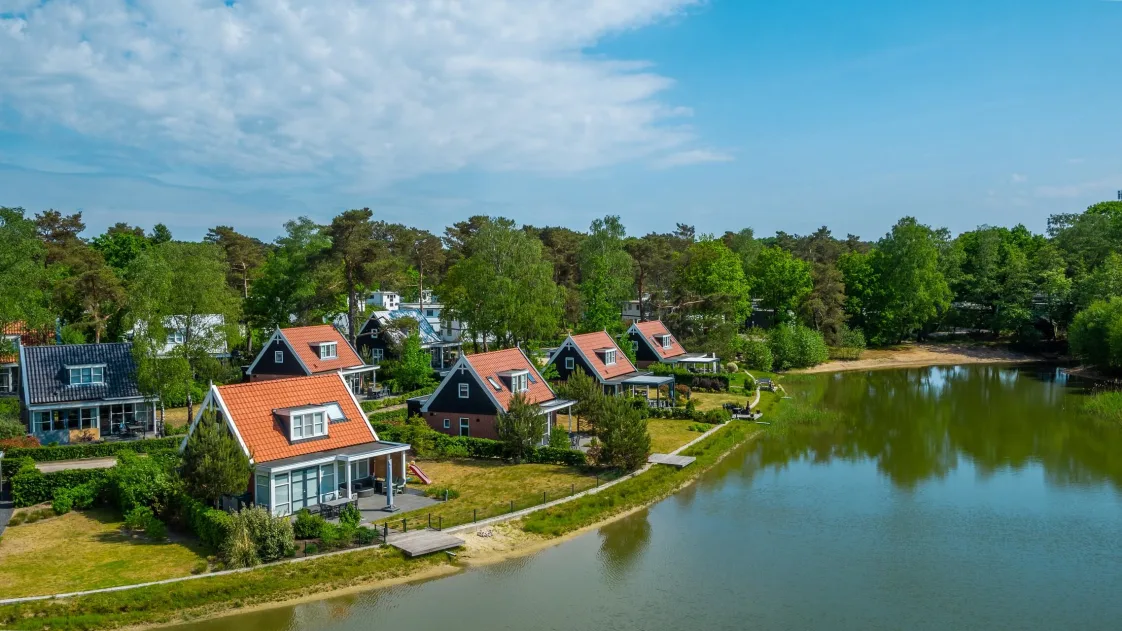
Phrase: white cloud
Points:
(691, 156)
(1018, 178)
(1104, 188)
(373, 91)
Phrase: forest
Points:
(817, 294)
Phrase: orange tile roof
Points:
(590, 342)
(302, 337)
(491, 364)
(655, 328)
(251, 408)
(27, 338)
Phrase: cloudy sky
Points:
(721, 113)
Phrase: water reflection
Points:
(622, 544)
(919, 425)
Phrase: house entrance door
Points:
(305, 488)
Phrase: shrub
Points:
(211, 526)
(22, 442)
(749, 384)
(757, 354)
(349, 516)
(682, 391)
(716, 417)
(311, 548)
(137, 518)
(213, 462)
(796, 346)
(155, 530)
(137, 481)
(93, 450)
(559, 439)
(62, 502)
(86, 495)
(256, 536)
(732, 367)
(1095, 335)
(307, 526)
(623, 432)
(30, 487)
(201, 566)
(11, 427)
(330, 536)
(365, 536)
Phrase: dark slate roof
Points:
(48, 382)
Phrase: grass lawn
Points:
(706, 401)
(488, 486)
(85, 550)
(175, 417)
(669, 434)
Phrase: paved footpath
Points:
(85, 463)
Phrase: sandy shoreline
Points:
(920, 355)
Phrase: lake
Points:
(970, 497)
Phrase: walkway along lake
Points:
(971, 497)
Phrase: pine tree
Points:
(521, 427)
(213, 462)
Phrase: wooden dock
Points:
(673, 461)
(421, 542)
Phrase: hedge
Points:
(31, 486)
(694, 379)
(210, 525)
(427, 441)
(377, 404)
(392, 415)
(93, 450)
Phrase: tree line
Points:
(512, 284)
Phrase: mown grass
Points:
(669, 434)
(487, 488)
(162, 604)
(648, 487)
(86, 550)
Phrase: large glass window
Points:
(89, 418)
(41, 422)
(327, 484)
(377, 354)
(261, 495)
(465, 427)
(7, 380)
(280, 491)
(360, 469)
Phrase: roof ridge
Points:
(321, 375)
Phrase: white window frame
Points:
(610, 357)
(666, 342)
(7, 380)
(92, 374)
(262, 482)
(634, 346)
(175, 337)
(42, 421)
(519, 383)
(278, 357)
(447, 423)
(307, 424)
(330, 350)
(281, 481)
(570, 363)
(377, 354)
(360, 469)
(464, 390)
(89, 418)
(465, 425)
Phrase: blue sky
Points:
(723, 114)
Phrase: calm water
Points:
(943, 498)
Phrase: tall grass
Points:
(1104, 406)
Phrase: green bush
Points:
(137, 518)
(62, 502)
(438, 492)
(137, 481)
(349, 516)
(365, 536)
(307, 526)
(210, 525)
(1095, 336)
(796, 346)
(716, 417)
(559, 439)
(757, 354)
(79, 451)
(11, 426)
(156, 530)
(385, 417)
(330, 536)
(257, 537)
(311, 548)
(30, 487)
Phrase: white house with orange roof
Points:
(302, 351)
(308, 441)
(653, 343)
(598, 355)
(480, 387)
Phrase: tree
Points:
(521, 427)
(622, 431)
(653, 259)
(100, 294)
(711, 297)
(160, 234)
(1103, 283)
(355, 251)
(59, 234)
(910, 290)
(213, 462)
(780, 281)
(292, 286)
(22, 275)
(605, 268)
(503, 290)
(745, 245)
(120, 245)
(414, 369)
(244, 256)
(1095, 335)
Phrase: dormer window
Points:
(80, 375)
(517, 380)
(328, 350)
(665, 340)
(309, 424)
(610, 357)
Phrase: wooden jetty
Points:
(421, 542)
(673, 461)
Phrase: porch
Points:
(362, 381)
(443, 355)
(699, 362)
(641, 385)
(373, 472)
(93, 421)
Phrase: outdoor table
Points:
(331, 508)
